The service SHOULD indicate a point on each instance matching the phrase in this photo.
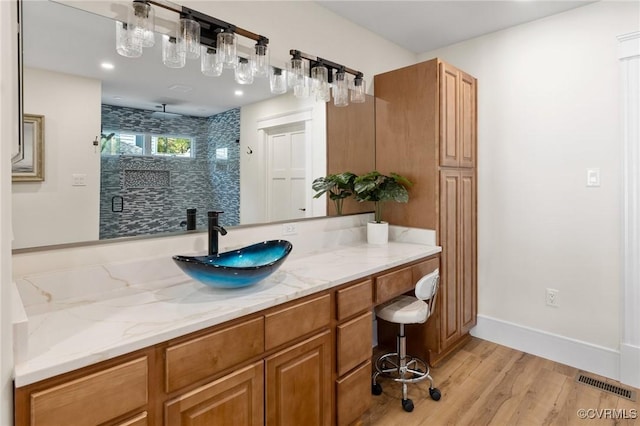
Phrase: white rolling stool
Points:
(398, 365)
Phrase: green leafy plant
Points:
(337, 186)
(380, 188)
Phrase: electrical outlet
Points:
(289, 229)
(552, 297)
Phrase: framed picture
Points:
(31, 167)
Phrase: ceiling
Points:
(421, 26)
(145, 83)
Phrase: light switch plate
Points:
(79, 179)
(593, 177)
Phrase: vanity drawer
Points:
(353, 395)
(196, 359)
(94, 399)
(354, 342)
(421, 269)
(353, 299)
(393, 284)
(302, 318)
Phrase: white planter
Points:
(377, 233)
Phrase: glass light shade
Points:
(126, 44)
(140, 22)
(340, 90)
(260, 60)
(320, 83)
(297, 70)
(244, 71)
(277, 81)
(227, 49)
(358, 90)
(172, 56)
(209, 64)
(189, 38)
(302, 89)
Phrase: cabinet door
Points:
(449, 296)
(457, 117)
(458, 289)
(298, 384)
(467, 242)
(467, 120)
(449, 145)
(235, 399)
(138, 420)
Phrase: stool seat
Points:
(404, 310)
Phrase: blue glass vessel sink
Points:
(237, 268)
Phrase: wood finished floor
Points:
(488, 384)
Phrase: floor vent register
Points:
(607, 387)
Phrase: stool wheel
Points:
(435, 394)
(376, 389)
(407, 405)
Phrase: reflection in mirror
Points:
(253, 156)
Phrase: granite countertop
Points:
(104, 311)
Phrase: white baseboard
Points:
(630, 365)
(575, 353)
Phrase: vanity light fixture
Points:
(197, 36)
(312, 75)
(189, 37)
(277, 80)
(243, 72)
(141, 22)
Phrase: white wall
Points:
(252, 166)
(549, 108)
(8, 134)
(54, 211)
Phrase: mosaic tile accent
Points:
(147, 178)
(194, 182)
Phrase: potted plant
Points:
(380, 188)
(338, 186)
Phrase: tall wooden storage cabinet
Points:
(426, 130)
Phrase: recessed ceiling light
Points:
(180, 88)
(107, 65)
(238, 92)
(117, 98)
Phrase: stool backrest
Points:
(427, 288)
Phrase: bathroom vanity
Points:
(150, 346)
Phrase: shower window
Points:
(117, 143)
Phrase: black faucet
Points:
(214, 228)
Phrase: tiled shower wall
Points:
(150, 194)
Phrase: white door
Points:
(287, 183)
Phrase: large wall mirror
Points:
(132, 144)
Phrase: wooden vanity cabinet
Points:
(298, 384)
(307, 362)
(353, 351)
(275, 387)
(235, 399)
(426, 130)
